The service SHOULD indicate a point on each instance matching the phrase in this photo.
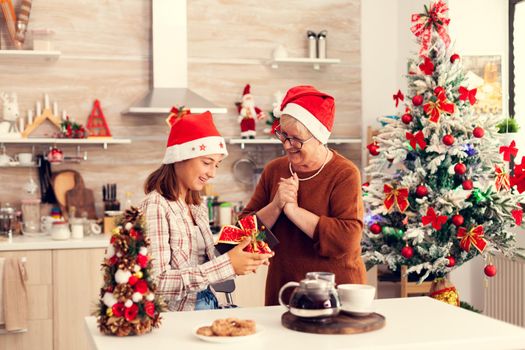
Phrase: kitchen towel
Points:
(15, 295)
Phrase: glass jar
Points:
(7, 219)
(31, 216)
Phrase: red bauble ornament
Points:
(375, 228)
(458, 220)
(421, 191)
(448, 140)
(454, 57)
(406, 118)
(478, 132)
(373, 149)
(407, 252)
(490, 270)
(417, 100)
(451, 261)
(460, 168)
(467, 185)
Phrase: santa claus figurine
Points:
(248, 113)
(273, 120)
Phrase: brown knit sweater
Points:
(335, 196)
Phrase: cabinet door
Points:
(249, 289)
(40, 303)
(77, 281)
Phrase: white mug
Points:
(25, 158)
(46, 223)
(356, 297)
(5, 159)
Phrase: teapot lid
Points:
(312, 284)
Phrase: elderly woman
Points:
(311, 198)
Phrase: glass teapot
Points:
(314, 297)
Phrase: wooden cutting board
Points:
(81, 198)
(341, 324)
(62, 182)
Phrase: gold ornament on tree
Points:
(443, 290)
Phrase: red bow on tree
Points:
(397, 196)
(433, 18)
(517, 214)
(248, 228)
(175, 114)
(432, 218)
(518, 178)
(416, 139)
(399, 97)
(442, 105)
(508, 151)
(502, 178)
(466, 94)
(473, 237)
(427, 66)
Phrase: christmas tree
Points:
(442, 188)
(128, 305)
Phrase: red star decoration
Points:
(221, 145)
(202, 147)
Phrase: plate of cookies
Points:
(228, 330)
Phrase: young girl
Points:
(183, 258)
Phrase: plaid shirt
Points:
(174, 251)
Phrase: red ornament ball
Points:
(451, 261)
(421, 191)
(417, 100)
(406, 118)
(467, 185)
(407, 252)
(490, 270)
(454, 57)
(373, 149)
(375, 228)
(478, 132)
(460, 168)
(458, 220)
(448, 140)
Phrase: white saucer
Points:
(357, 312)
(26, 164)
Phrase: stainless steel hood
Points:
(170, 64)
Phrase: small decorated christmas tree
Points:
(128, 305)
(442, 189)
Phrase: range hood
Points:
(170, 64)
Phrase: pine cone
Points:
(123, 292)
(124, 330)
(132, 214)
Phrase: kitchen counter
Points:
(46, 243)
(411, 323)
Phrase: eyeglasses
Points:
(294, 142)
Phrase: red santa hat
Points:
(246, 91)
(193, 135)
(313, 108)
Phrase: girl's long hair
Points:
(164, 181)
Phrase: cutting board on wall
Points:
(62, 182)
(81, 198)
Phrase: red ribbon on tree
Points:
(442, 105)
(398, 97)
(427, 66)
(416, 139)
(466, 94)
(473, 237)
(517, 214)
(508, 151)
(518, 178)
(396, 196)
(432, 218)
(502, 178)
(433, 18)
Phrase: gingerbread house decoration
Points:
(96, 123)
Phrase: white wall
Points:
(477, 27)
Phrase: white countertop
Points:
(411, 323)
(45, 242)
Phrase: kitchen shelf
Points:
(266, 141)
(30, 54)
(315, 62)
(58, 141)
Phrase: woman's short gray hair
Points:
(288, 120)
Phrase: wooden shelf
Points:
(315, 62)
(30, 54)
(273, 141)
(57, 141)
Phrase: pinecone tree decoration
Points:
(127, 304)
